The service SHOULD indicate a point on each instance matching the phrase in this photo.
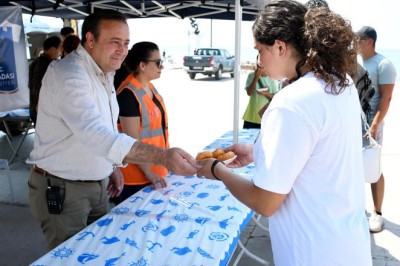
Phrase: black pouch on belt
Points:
(53, 196)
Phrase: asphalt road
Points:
(199, 110)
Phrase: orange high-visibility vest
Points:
(151, 131)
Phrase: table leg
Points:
(248, 253)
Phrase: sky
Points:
(177, 37)
(173, 32)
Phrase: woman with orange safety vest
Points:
(143, 115)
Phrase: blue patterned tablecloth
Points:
(193, 221)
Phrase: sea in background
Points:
(394, 56)
(176, 37)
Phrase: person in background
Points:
(143, 115)
(37, 69)
(383, 76)
(77, 148)
(316, 4)
(121, 74)
(65, 32)
(256, 81)
(316, 212)
(70, 44)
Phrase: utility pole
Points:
(211, 33)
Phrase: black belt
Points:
(41, 171)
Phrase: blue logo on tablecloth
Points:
(85, 257)
(150, 227)
(140, 262)
(203, 195)
(160, 215)
(125, 226)
(224, 223)
(181, 218)
(131, 243)
(222, 198)
(147, 189)
(134, 199)
(214, 208)
(62, 253)
(177, 184)
(168, 230)
(109, 241)
(152, 245)
(234, 209)
(202, 220)
(156, 201)
(218, 236)
(140, 213)
(112, 261)
(213, 186)
(204, 253)
(104, 222)
(121, 210)
(84, 235)
(181, 251)
(195, 185)
(192, 234)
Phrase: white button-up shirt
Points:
(76, 132)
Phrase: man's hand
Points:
(175, 160)
(180, 162)
(116, 183)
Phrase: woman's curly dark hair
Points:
(323, 40)
(330, 43)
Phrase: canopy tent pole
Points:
(238, 29)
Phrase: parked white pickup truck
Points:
(209, 61)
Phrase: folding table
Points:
(193, 221)
(17, 115)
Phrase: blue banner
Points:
(8, 70)
(14, 72)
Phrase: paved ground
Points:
(22, 241)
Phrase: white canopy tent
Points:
(214, 9)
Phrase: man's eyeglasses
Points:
(158, 62)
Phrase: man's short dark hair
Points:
(67, 31)
(369, 32)
(316, 3)
(53, 41)
(92, 22)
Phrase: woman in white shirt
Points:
(308, 157)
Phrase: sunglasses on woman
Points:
(158, 62)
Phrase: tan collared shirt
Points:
(76, 134)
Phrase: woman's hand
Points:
(205, 169)
(157, 181)
(244, 153)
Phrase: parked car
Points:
(209, 61)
